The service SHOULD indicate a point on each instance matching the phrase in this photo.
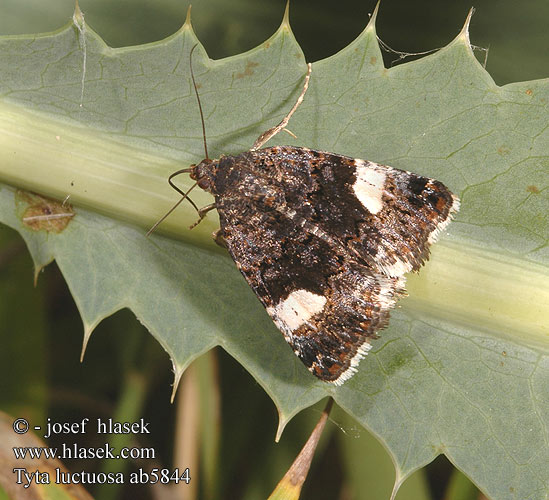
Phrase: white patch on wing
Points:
(352, 369)
(386, 294)
(297, 309)
(369, 184)
(395, 269)
(398, 268)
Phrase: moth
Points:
(324, 240)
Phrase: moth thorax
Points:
(204, 174)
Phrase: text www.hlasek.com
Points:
(27, 477)
(67, 452)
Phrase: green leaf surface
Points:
(463, 368)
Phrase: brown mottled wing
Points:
(383, 215)
(324, 240)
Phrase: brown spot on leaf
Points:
(529, 92)
(267, 45)
(532, 189)
(503, 150)
(42, 213)
(248, 71)
(373, 60)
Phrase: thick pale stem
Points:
(474, 286)
(98, 172)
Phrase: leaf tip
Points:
(87, 334)
(285, 25)
(373, 18)
(188, 23)
(177, 373)
(78, 16)
(37, 271)
(399, 480)
(464, 33)
(282, 421)
(369, 31)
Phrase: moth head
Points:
(204, 174)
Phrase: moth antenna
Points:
(198, 99)
(184, 195)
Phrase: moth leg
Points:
(202, 213)
(219, 239)
(265, 136)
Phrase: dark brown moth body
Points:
(324, 240)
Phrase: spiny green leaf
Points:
(462, 369)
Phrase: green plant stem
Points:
(98, 171)
(473, 285)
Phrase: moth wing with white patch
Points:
(327, 304)
(324, 240)
(381, 215)
(331, 333)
